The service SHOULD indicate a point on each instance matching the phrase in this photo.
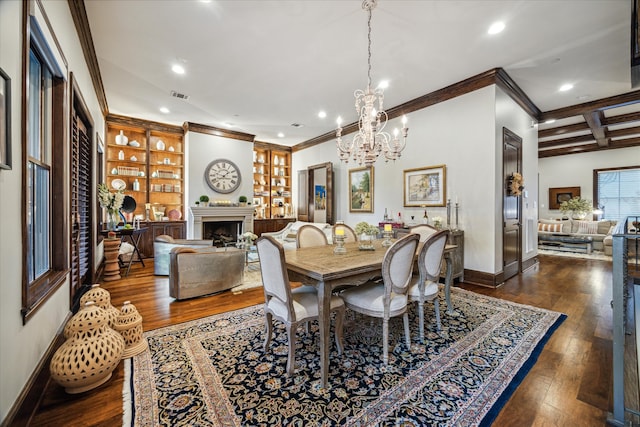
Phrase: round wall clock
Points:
(223, 176)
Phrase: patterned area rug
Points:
(214, 372)
(593, 255)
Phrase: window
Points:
(618, 192)
(46, 258)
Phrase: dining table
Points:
(320, 267)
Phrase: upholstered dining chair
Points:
(284, 304)
(424, 231)
(349, 233)
(389, 298)
(426, 287)
(310, 235)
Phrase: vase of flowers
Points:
(437, 222)
(367, 234)
(112, 202)
(577, 207)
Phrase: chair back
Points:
(309, 235)
(397, 265)
(423, 230)
(430, 257)
(349, 233)
(275, 279)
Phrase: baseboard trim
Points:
(28, 402)
(529, 263)
(481, 278)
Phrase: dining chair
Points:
(426, 287)
(284, 304)
(424, 231)
(309, 235)
(388, 298)
(349, 233)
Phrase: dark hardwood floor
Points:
(570, 385)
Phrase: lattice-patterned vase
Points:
(102, 298)
(87, 359)
(129, 324)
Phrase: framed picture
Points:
(361, 189)
(257, 201)
(5, 120)
(320, 196)
(425, 186)
(561, 194)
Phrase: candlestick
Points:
(339, 249)
(457, 208)
(387, 227)
(339, 231)
(387, 235)
(448, 212)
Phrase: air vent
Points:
(297, 125)
(179, 95)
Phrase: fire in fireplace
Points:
(221, 232)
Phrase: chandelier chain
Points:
(369, 50)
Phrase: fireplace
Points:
(222, 232)
(238, 219)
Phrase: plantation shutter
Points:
(619, 193)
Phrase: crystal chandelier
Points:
(371, 140)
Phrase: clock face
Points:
(223, 176)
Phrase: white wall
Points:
(576, 170)
(200, 150)
(23, 345)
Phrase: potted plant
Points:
(577, 207)
(242, 200)
(204, 199)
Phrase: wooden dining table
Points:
(320, 267)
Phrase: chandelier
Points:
(371, 140)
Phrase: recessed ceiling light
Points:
(228, 124)
(280, 135)
(548, 122)
(565, 87)
(383, 84)
(178, 69)
(322, 114)
(164, 110)
(496, 27)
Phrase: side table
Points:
(133, 236)
(111, 266)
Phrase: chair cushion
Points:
(370, 297)
(305, 305)
(430, 290)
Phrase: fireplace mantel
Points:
(221, 213)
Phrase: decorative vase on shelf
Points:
(112, 219)
(122, 139)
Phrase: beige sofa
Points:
(578, 229)
(162, 246)
(196, 272)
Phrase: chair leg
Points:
(385, 341)
(291, 336)
(268, 331)
(339, 328)
(421, 320)
(407, 336)
(436, 306)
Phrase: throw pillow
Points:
(554, 228)
(587, 227)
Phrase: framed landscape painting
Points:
(425, 186)
(562, 194)
(361, 189)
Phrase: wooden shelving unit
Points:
(271, 182)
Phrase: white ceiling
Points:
(262, 65)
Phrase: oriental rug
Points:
(214, 372)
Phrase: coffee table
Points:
(566, 243)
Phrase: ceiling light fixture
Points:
(178, 69)
(280, 135)
(322, 114)
(496, 27)
(371, 140)
(164, 110)
(566, 87)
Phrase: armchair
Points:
(162, 246)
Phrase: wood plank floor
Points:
(570, 385)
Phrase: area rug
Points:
(214, 372)
(252, 278)
(593, 255)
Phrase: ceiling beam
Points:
(566, 141)
(576, 127)
(594, 120)
(622, 118)
(600, 104)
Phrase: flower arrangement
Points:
(437, 222)
(578, 207)
(249, 236)
(365, 228)
(516, 184)
(111, 201)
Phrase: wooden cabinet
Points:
(270, 225)
(175, 229)
(148, 159)
(271, 182)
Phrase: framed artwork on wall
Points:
(425, 186)
(561, 194)
(5, 120)
(361, 189)
(320, 197)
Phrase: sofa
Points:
(287, 236)
(596, 230)
(195, 272)
(162, 246)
